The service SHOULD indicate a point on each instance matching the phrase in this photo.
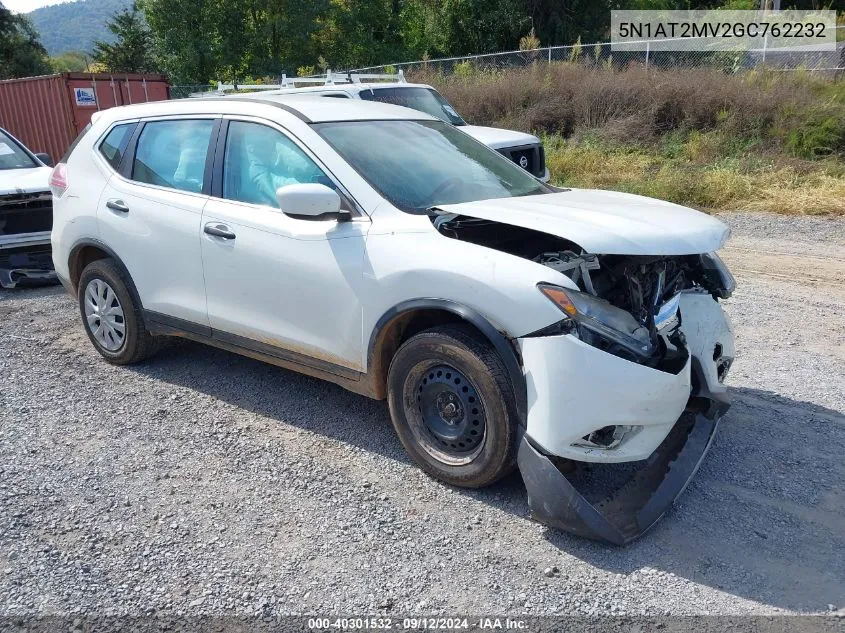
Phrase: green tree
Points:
(185, 37)
(21, 52)
(282, 34)
(359, 33)
(73, 62)
(131, 51)
(462, 27)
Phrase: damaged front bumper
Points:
(26, 258)
(675, 417)
(25, 252)
(637, 505)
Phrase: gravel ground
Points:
(204, 482)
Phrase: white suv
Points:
(525, 150)
(506, 322)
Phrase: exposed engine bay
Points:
(636, 296)
(631, 375)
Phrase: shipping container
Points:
(46, 113)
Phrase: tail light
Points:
(58, 180)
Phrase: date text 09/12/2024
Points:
(418, 623)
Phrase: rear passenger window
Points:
(172, 154)
(114, 145)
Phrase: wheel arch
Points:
(88, 250)
(410, 317)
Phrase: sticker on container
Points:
(85, 97)
(5, 150)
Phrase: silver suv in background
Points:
(525, 150)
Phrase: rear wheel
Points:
(453, 406)
(112, 318)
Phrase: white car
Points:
(525, 150)
(26, 214)
(507, 323)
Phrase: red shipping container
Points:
(46, 113)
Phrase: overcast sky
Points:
(25, 6)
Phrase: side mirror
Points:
(310, 201)
(44, 158)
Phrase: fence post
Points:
(550, 54)
(647, 50)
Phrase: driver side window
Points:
(259, 159)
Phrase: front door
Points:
(272, 281)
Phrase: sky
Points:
(25, 6)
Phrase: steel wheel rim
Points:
(104, 315)
(447, 413)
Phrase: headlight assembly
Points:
(715, 276)
(601, 317)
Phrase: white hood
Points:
(606, 222)
(24, 180)
(497, 138)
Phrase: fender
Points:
(88, 241)
(501, 342)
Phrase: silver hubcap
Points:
(104, 315)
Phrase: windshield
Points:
(12, 156)
(425, 100)
(417, 165)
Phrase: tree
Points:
(359, 33)
(131, 51)
(72, 61)
(186, 37)
(441, 28)
(21, 52)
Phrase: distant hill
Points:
(74, 26)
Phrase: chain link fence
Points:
(600, 55)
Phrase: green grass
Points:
(762, 140)
(702, 171)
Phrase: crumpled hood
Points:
(24, 180)
(498, 138)
(606, 222)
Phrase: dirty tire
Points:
(483, 376)
(137, 342)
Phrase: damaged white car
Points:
(507, 323)
(26, 214)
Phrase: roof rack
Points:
(329, 79)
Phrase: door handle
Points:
(219, 230)
(117, 205)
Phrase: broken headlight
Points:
(715, 276)
(600, 317)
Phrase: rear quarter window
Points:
(114, 145)
(75, 143)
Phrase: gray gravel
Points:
(203, 482)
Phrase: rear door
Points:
(151, 210)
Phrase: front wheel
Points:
(453, 406)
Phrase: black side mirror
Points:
(45, 158)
